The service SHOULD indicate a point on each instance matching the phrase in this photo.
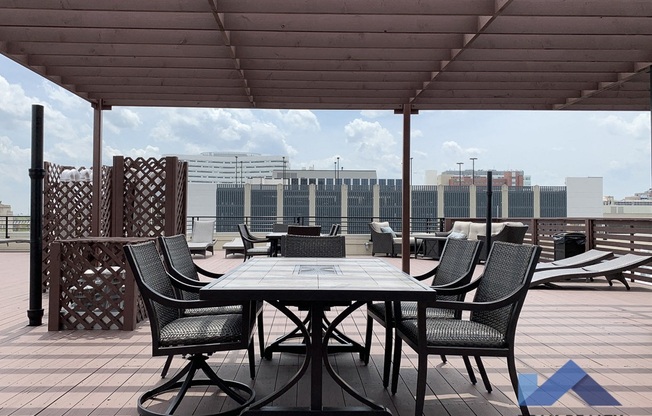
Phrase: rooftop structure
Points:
(232, 167)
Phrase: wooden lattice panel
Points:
(94, 288)
(150, 196)
(67, 210)
(144, 197)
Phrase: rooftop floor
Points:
(606, 330)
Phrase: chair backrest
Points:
(335, 230)
(457, 262)
(513, 233)
(313, 230)
(152, 279)
(313, 246)
(247, 241)
(178, 259)
(202, 231)
(279, 228)
(508, 270)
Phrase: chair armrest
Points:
(471, 306)
(458, 290)
(427, 275)
(207, 273)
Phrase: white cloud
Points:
(637, 127)
(303, 120)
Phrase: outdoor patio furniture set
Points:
(192, 318)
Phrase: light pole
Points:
(283, 170)
(236, 170)
(411, 171)
(241, 173)
(473, 159)
(337, 169)
(460, 177)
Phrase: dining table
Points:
(317, 282)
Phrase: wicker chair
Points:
(509, 234)
(249, 242)
(311, 246)
(455, 268)
(313, 230)
(491, 328)
(179, 263)
(195, 337)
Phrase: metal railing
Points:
(12, 226)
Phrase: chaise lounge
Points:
(580, 260)
(611, 269)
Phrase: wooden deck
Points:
(607, 332)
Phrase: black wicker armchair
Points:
(491, 328)
(195, 337)
(179, 263)
(311, 246)
(455, 269)
(249, 242)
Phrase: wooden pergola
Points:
(401, 55)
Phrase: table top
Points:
(316, 279)
(425, 236)
(276, 234)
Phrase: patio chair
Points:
(491, 327)
(385, 240)
(249, 242)
(610, 269)
(179, 263)
(580, 260)
(455, 269)
(335, 229)
(509, 234)
(311, 246)
(195, 337)
(201, 238)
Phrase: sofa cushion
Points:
(457, 236)
(475, 229)
(461, 227)
(388, 230)
(376, 226)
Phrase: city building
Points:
(511, 178)
(232, 167)
(328, 177)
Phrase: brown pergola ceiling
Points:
(339, 54)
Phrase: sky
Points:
(547, 145)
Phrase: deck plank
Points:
(605, 330)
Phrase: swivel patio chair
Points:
(491, 328)
(455, 268)
(195, 337)
(179, 263)
(509, 234)
(312, 246)
(249, 242)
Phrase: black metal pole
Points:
(36, 173)
(489, 213)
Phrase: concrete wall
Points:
(201, 199)
(584, 197)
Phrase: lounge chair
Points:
(584, 259)
(201, 239)
(611, 269)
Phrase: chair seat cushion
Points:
(194, 330)
(455, 333)
(409, 311)
(217, 310)
(258, 250)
